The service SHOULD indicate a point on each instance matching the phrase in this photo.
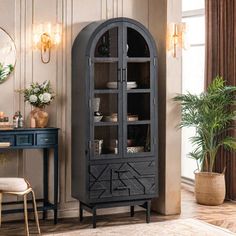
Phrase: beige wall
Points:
(17, 17)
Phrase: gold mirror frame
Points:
(7, 55)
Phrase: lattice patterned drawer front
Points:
(119, 188)
(127, 170)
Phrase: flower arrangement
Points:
(5, 70)
(39, 95)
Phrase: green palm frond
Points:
(211, 113)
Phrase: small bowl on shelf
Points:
(135, 149)
(97, 118)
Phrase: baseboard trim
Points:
(187, 184)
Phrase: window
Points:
(192, 70)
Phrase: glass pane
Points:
(105, 140)
(193, 69)
(138, 139)
(105, 75)
(138, 75)
(188, 5)
(107, 45)
(136, 44)
(105, 108)
(138, 106)
(195, 30)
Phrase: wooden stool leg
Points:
(35, 212)
(0, 209)
(26, 215)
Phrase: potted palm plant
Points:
(212, 114)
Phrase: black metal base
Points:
(93, 208)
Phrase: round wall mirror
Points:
(7, 55)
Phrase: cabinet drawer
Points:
(24, 139)
(127, 170)
(46, 139)
(7, 139)
(125, 188)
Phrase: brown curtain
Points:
(221, 60)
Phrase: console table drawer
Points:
(7, 139)
(46, 139)
(24, 139)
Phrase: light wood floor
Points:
(223, 216)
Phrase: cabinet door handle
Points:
(119, 78)
(124, 72)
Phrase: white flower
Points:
(33, 98)
(45, 97)
(36, 90)
(6, 70)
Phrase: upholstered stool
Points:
(19, 186)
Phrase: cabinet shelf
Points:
(139, 122)
(139, 90)
(102, 91)
(138, 59)
(105, 59)
(105, 123)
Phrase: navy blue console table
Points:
(35, 138)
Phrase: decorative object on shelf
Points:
(7, 55)
(212, 114)
(98, 146)
(103, 48)
(46, 36)
(20, 120)
(135, 149)
(114, 118)
(39, 96)
(4, 121)
(96, 105)
(114, 85)
(40, 116)
(176, 37)
(97, 118)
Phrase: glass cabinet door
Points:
(106, 96)
(138, 110)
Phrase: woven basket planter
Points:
(209, 188)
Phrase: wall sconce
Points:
(45, 37)
(176, 37)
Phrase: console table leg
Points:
(55, 183)
(45, 181)
(80, 212)
(148, 211)
(94, 217)
(131, 211)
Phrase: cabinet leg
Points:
(148, 211)
(94, 217)
(80, 212)
(131, 211)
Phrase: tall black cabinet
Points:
(114, 116)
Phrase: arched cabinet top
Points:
(86, 43)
